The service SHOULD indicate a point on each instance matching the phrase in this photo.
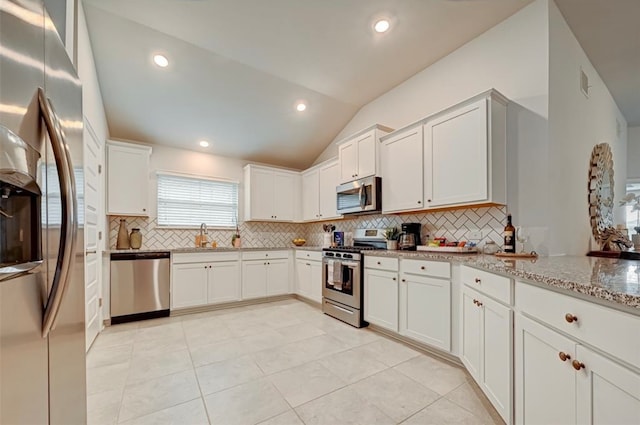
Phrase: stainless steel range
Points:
(342, 289)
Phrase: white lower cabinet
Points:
(309, 279)
(196, 283)
(277, 277)
(486, 347)
(381, 298)
(265, 273)
(425, 303)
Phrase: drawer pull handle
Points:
(570, 318)
(477, 280)
(577, 365)
(564, 356)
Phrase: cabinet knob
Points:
(428, 200)
(378, 262)
(570, 318)
(475, 301)
(564, 356)
(479, 304)
(419, 202)
(404, 280)
(268, 264)
(422, 267)
(394, 278)
(577, 365)
(144, 209)
(477, 280)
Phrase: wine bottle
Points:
(509, 236)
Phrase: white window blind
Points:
(189, 201)
(51, 202)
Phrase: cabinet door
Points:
(254, 279)
(277, 277)
(497, 357)
(316, 280)
(310, 195)
(544, 383)
(128, 180)
(303, 278)
(366, 145)
(457, 141)
(471, 334)
(283, 196)
(261, 193)
(426, 307)
(401, 169)
(607, 393)
(381, 298)
(189, 285)
(329, 179)
(348, 157)
(224, 282)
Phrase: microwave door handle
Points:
(69, 224)
(361, 196)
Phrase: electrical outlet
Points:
(475, 235)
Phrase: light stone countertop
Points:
(614, 281)
(209, 249)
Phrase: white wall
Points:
(513, 58)
(633, 153)
(576, 124)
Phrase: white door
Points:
(328, 180)
(254, 279)
(310, 197)
(497, 358)
(544, 383)
(471, 338)
(316, 280)
(283, 196)
(401, 169)
(607, 393)
(189, 285)
(457, 141)
(277, 277)
(224, 282)
(366, 155)
(93, 152)
(303, 278)
(348, 155)
(426, 305)
(261, 194)
(381, 298)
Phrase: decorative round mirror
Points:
(600, 187)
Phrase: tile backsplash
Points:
(454, 225)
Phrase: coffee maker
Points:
(410, 236)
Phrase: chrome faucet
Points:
(203, 235)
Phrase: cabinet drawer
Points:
(204, 257)
(498, 287)
(309, 255)
(612, 331)
(262, 255)
(382, 263)
(427, 268)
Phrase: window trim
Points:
(199, 177)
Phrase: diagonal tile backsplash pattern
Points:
(454, 225)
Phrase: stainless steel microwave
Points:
(362, 196)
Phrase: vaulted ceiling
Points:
(237, 68)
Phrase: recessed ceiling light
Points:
(381, 26)
(301, 107)
(204, 143)
(161, 61)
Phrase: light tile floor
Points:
(281, 363)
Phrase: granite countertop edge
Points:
(211, 250)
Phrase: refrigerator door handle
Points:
(69, 224)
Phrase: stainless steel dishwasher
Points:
(140, 283)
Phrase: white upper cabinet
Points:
(127, 179)
(319, 191)
(358, 155)
(270, 194)
(401, 171)
(465, 154)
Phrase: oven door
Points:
(359, 196)
(341, 281)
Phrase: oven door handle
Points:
(341, 309)
(351, 264)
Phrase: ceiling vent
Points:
(584, 83)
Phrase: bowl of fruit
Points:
(299, 241)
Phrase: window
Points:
(189, 201)
(632, 215)
(51, 197)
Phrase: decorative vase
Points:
(135, 239)
(635, 238)
(392, 245)
(123, 236)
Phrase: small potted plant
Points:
(391, 234)
(633, 199)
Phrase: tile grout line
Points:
(206, 410)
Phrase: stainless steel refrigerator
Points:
(42, 342)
